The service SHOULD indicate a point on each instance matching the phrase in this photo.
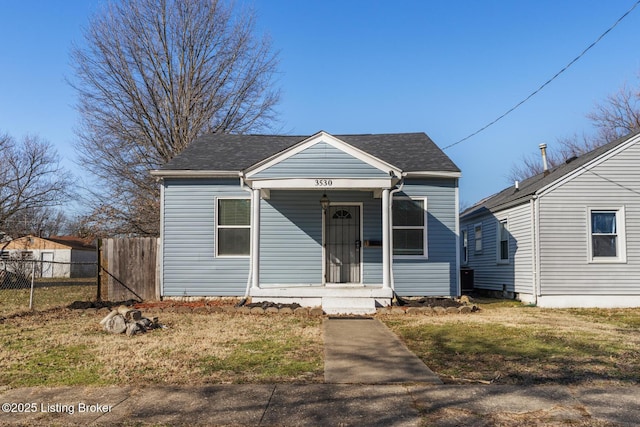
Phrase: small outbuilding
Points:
(56, 256)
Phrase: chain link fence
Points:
(30, 284)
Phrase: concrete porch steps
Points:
(346, 305)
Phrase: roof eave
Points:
(432, 174)
(190, 173)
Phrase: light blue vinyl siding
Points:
(291, 240)
(436, 275)
(291, 237)
(322, 161)
(190, 265)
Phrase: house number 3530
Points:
(324, 183)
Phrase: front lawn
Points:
(513, 344)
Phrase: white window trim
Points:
(475, 245)
(499, 260)
(621, 233)
(425, 253)
(464, 234)
(217, 226)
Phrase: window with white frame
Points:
(477, 236)
(233, 227)
(503, 241)
(465, 247)
(409, 227)
(607, 240)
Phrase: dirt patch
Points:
(83, 305)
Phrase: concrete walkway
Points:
(364, 351)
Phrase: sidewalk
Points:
(326, 405)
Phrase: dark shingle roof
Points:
(527, 188)
(411, 152)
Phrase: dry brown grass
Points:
(64, 347)
(503, 343)
(508, 344)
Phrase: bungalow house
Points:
(341, 222)
(57, 256)
(568, 237)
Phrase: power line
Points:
(548, 81)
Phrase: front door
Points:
(342, 244)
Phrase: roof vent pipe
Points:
(517, 185)
(543, 151)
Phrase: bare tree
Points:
(617, 116)
(32, 183)
(154, 75)
(41, 222)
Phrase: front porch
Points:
(334, 299)
(309, 200)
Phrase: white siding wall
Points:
(564, 234)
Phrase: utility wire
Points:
(548, 81)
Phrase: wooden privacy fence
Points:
(128, 269)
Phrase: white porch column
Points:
(255, 238)
(386, 240)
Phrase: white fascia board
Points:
(194, 174)
(433, 174)
(588, 166)
(322, 183)
(331, 140)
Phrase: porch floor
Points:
(334, 299)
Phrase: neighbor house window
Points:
(409, 227)
(503, 241)
(607, 242)
(465, 246)
(233, 227)
(477, 236)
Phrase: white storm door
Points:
(342, 244)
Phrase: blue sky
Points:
(446, 68)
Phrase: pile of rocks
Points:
(127, 320)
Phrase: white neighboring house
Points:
(568, 237)
(58, 256)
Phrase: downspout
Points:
(535, 241)
(391, 193)
(243, 301)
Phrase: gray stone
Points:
(243, 310)
(316, 312)
(116, 325)
(301, 311)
